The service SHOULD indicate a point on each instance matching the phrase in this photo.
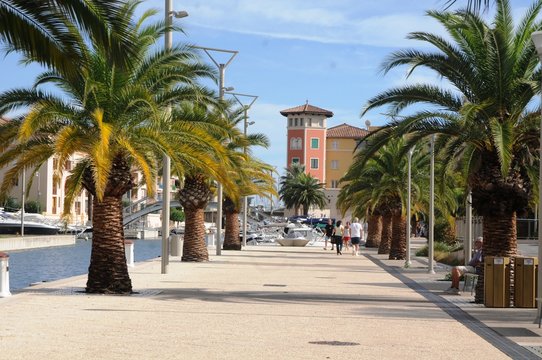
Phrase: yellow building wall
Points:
(339, 152)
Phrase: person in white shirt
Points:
(356, 234)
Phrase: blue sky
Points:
(328, 52)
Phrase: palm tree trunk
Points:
(500, 239)
(398, 239)
(231, 235)
(374, 231)
(194, 197)
(194, 248)
(108, 272)
(385, 241)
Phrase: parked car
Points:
(318, 222)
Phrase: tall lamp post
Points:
(221, 90)
(537, 40)
(431, 243)
(245, 126)
(166, 170)
(467, 244)
(408, 263)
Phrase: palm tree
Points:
(194, 197)
(252, 178)
(50, 32)
(114, 118)
(293, 172)
(249, 175)
(484, 121)
(303, 190)
(387, 173)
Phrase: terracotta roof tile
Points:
(346, 131)
(306, 109)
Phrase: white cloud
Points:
(340, 22)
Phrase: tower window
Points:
(314, 163)
(315, 142)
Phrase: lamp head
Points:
(251, 122)
(179, 14)
(228, 88)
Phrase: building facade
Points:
(326, 153)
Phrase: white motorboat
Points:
(10, 223)
(297, 235)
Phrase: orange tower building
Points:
(307, 138)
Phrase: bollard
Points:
(210, 237)
(4, 275)
(129, 251)
(175, 245)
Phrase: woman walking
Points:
(338, 237)
(346, 235)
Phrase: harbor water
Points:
(27, 267)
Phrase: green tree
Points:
(50, 32)
(113, 117)
(483, 121)
(301, 190)
(249, 175)
(199, 182)
(176, 215)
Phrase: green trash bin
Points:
(496, 281)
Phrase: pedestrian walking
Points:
(338, 236)
(329, 233)
(356, 232)
(346, 235)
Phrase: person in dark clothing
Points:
(329, 234)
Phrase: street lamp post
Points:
(431, 243)
(39, 192)
(537, 40)
(408, 263)
(245, 126)
(23, 199)
(166, 169)
(467, 244)
(221, 90)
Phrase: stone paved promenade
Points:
(265, 303)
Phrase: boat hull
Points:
(292, 242)
(29, 229)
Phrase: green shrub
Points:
(32, 207)
(176, 214)
(443, 253)
(444, 232)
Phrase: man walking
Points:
(329, 234)
(356, 233)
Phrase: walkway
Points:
(265, 303)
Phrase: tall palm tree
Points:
(198, 185)
(303, 191)
(50, 32)
(249, 175)
(483, 121)
(114, 118)
(293, 172)
(252, 178)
